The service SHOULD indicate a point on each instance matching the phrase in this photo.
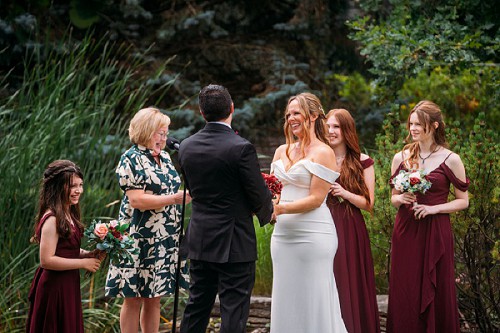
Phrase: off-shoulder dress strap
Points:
(458, 183)
(367, 163)
(321, 171)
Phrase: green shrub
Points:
(461, 95)
(477, 229)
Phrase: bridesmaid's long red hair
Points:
(428, 113)
(351, 171)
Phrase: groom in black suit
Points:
(223, 177)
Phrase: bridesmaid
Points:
(353, 191)
(422, 295)
(55, 300)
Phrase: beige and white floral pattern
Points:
(155, 232)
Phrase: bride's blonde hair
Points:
(309, 106)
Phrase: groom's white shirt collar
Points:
(220, 122)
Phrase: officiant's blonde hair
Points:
(145, 123)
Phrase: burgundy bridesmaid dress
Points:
(422, 296)
(353, 266)
(55, 300)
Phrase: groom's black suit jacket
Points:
(222, 174)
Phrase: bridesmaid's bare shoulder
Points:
(364, 157)
(398, 159)
(454, 162)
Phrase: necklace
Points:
(432, 152)
(339, 159)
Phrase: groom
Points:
(224, 180)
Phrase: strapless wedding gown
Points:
(303, 246)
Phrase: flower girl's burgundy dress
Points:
(353, 266)
(55, 298)
(422, 295)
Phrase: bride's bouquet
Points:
(111, 237)
(273, 184)
(412, 181)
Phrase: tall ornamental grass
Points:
(74, 103)
(264, 266)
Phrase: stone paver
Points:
(260, 314)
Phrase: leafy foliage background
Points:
(73, 72)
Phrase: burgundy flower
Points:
(414, 181)
(273, 183)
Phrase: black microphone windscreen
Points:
(173, 143)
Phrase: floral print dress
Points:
(155, 232)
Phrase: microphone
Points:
(173, 143)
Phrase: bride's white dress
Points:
(303, 246)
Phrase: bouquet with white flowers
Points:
(412, 181)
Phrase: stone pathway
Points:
(260, 314)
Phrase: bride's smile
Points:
(294, 117)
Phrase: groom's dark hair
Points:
(215, 102)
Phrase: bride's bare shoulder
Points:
(324, 149)
(323, 154)
(279, 152)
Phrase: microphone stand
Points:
(178, 266)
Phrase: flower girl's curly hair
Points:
(54, 197)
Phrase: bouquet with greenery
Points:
(112, 238)
(411, 181)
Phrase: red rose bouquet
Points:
(273, 184)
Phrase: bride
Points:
(304, 240)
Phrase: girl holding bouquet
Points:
(55, 300)
(422, 295)
(352, 191)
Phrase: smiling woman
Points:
(352, 192)
(304, 239)
(150, 186)
(58, 231)
(423, 295)
(76, 189)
